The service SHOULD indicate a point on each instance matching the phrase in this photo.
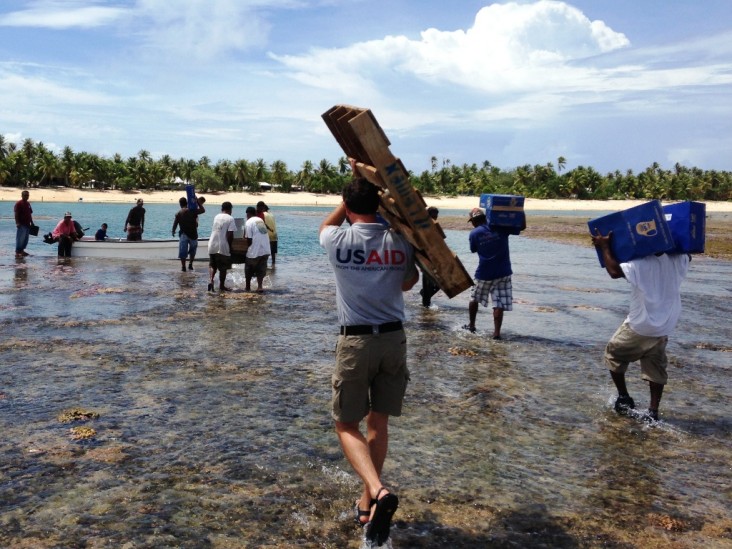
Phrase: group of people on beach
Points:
(371, 373)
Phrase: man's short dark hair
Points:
(361, 197)
(183, 202)
(226, 207)
(251, 210)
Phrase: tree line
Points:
(33, 164)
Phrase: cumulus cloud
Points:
(510, 47)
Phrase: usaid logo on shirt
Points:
(371, 258)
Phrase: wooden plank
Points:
(370, 173)
(337, 119)
(361, 138)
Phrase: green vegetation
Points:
(32, 164)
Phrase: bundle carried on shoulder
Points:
(650, 228)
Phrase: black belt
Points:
(366, 329)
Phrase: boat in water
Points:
(121, 248)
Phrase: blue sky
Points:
(612, 84)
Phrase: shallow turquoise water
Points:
(214, 430)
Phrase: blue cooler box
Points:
(504, 210)
(687, 221)
(637, 232)
(191, 198)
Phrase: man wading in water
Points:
(373, 266)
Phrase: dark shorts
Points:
(371, 374)
(256, 266)
(134, 232)
(273, 247)
(219, 261)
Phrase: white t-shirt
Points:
(371, 263)
(217, 243)
(257, 231)
(655, 303)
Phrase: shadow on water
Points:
(213, 425)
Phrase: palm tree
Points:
(344, 166)
(305, 174)
(144, 156)
(4, 147)
(279, 172)
(49, 167)
(186, 167)
(68, 163)
(242, 173)
(224, 170)
(260, 170)
(561, 163)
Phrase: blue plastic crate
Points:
(637, 232)
(504, 210)
(687, 221)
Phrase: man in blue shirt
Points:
(493, 275)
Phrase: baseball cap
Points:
(475, 213)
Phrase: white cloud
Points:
(201, 29)
(510, 47)
(55, 14)
(28, 91)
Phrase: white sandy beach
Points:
(308, 199)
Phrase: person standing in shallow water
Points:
(219, 246)
(271, 224)
(655, 307)
(429, 284)
(187, 220)
(135, 222)
(23, 221)
(371, 374)
(255, 231)
(493, 275)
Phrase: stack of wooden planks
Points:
(361, 138)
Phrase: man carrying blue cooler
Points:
(655, 306)
(493, 275)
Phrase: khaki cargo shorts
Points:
(371, 374)
(626, 346)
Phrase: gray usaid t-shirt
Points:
(370, 263)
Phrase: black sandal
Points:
(358, 512)
(378, 528)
